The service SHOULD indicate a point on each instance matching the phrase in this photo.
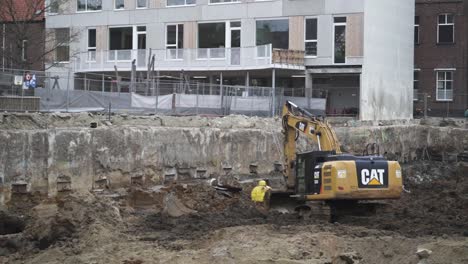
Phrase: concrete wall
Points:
(40, 156)
(118, 152)
(387, 78)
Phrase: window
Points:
(211, 35)
(92, 44)
(223, 1)
(275, 32)
(54, 6)
(175, 41)
(416, 30)
(444, 85)
(311, 37)
(121, 38)
(180, 2)
(339, 43)
(445, 29)
(89, 5)
(141, 37)
(141, 3)
(62, 42)
(415, 85)
(24, 50)
(235, 28)
(119, 4)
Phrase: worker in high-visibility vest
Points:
(261, 195)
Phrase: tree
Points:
(27, 44)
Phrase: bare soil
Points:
(130, 226)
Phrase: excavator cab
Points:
(308, 175)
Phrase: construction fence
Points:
(157, 96)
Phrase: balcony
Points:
(217, 59)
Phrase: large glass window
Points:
(121, 38)
(119, 4)
(339, 39)
(416, 30)
(180, 2)
(445, 29)
(311, 37)
(89, 5)
(444, 85)
(141, 3)
(212, 35)
(62, 41)
(275, 32)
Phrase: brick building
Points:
(22, 34)
(441, 46)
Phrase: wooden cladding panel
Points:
(296, 33)
(355, 35)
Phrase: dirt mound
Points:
(55, 221)
(437, 203)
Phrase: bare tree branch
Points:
(27, 42)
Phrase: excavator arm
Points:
(299, 121)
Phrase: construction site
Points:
(94, 188)
(233, 131)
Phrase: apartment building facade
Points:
(358, 51)
(441, 46)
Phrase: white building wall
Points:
(387, 77)
(386, 81)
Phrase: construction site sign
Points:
(18, 80)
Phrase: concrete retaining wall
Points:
(119, 153)
(40, 156)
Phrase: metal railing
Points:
(156, 96)
(257, 57)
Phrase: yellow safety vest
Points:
(258, 193)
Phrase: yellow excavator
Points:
(328, 174)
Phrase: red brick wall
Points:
(429, 55)
(10, 56)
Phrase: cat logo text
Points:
(373, 177)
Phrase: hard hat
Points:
(262, 183)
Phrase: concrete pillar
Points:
(221, 83)
(309, 81)
(247, 82)
(210, 80)
(221, 92)
(103, 84)
(247, 79)
(273, 87)
(85, 83)
(308, 85)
